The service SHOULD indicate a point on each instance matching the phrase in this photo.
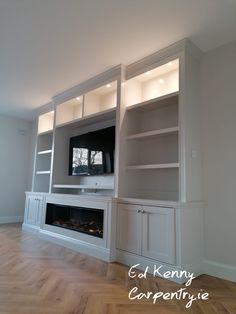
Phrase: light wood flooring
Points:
(39, 277)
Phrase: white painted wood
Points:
(45, 122)
(153, 166)
(77, 245)
(161, 132)
(83, 186)
(129, 228)
(146, 230)
(33, 209)
(43, 172)
(69, 110)
(155, 102)
(158, 240)
(43, 152)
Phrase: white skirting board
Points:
(11, 219)
(79, 246)
(219, 270)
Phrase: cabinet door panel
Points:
(158, 234)
(33, 210)
(129, 228)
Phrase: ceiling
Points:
(48, 46)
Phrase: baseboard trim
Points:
(11, 219)
(219, 270)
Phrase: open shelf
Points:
(69, 111)
(153, 166)
(91, 119)
(45, 122)
(154, 103)
(100, 99)
(44, 152)
(83, 186)
(43, 172)
(161, 132)
(152, 85)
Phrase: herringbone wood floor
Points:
(40, 277)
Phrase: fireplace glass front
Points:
(80, 219)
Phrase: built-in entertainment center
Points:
(117, 170)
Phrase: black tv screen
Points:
(92, 153)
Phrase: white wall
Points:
(15, 166)
(218, 86)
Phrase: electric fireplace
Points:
(80, 219)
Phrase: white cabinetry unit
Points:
(154, 105)
(146, 231)
(33, 211)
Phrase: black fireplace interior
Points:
(81, 219)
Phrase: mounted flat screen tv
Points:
(92, 153)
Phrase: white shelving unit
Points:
(43, 156)
(157, 180)
(151, 134)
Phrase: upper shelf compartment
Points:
(69, 111)
(45, 122)
(152, 84)
(100, 99)
(98, 104)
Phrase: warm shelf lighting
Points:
(147, 73)
(108, 85)
(169, 64)
(161, 81)
(77, 98)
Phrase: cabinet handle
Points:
(143, 212)
(139, 211)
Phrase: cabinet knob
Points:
(143, 212)
(139, 211)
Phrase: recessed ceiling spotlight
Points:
(147, 73)
(161, 81)
(77, 98)
(169, 64)
(108, 85)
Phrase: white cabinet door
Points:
(158, 240)
(129, 228)
(33, 210)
